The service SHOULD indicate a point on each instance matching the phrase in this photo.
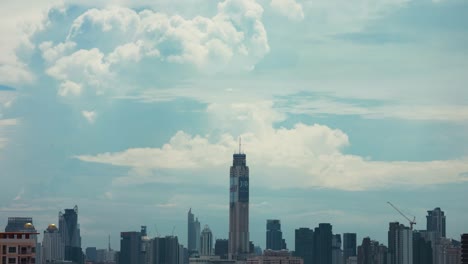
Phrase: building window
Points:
(11, 261)
(4, 250)
(4, 260)
(33, 250)
(11, 249)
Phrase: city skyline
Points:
(132, 110)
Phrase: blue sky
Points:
(132, 110)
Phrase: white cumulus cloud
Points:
(289, 8)
(89, 115)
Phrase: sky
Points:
(132, 111)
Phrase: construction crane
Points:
(411, 222)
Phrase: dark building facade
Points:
(274, 236)
(349, 246)
(70, 231)
(221, 248)
(130, 248)
(435, 221)
(164, 250)
(323, 244)
(422, 250)
(239, 208)
(193, 233)
(304, 244)
(371, 252)
(91, 254)
(464, 249)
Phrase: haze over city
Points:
(132, 110)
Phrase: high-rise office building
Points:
(400, 244)
(304, 244)
(239, 207)
(70, 232)
(221, 248)
(323, 244)
(349, 246)
(422, 249)
(206, 248)
(274, 236)
(193, 233)
(436, 221)
(337, 253)
(53, 248)
(130, 248)
(464, 249)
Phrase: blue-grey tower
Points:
(239, 207)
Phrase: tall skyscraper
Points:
(436, 221)
(206, 248)
(130, 248)
(400, 244)
(349, 246)
(239, 207)
(304, 244)
(53, 248)
(323, 244)
(274, 236)
(193, 236)
(164, 250)
(70, 232)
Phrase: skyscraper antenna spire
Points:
(109, 245)
(240, 145)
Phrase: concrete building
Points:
(239, 207)
(400, 244)
(349, 246)
(422, 249)
(304, 244)
(18, 247)
(53, 248)
(436, 221)
(206, 248)
(371, 252)
(164, 250)
(274, 236)
(275, 257)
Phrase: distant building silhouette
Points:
(323, 244)
(165, 250)
(221, 248)
(193, 236)
(91, 254)
(422, 249)
(130, 247)
(464, 249)
(372, 252)
(304, 244)
(206, 242)
(436, 221)
(349, 246)
(70, 232)
(337, 253)
(18, 224)
(400, 244)
(239, 207)
(274, 236)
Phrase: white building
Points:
(53, 248)
(206, 242)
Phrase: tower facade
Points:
(436, 221)
(304, 246)
(53, 248)
(206, 248)
(349, 246)
(274, 236)
(69, 229)
(239, 208)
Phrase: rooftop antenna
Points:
(240, 145)
(109, 246)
